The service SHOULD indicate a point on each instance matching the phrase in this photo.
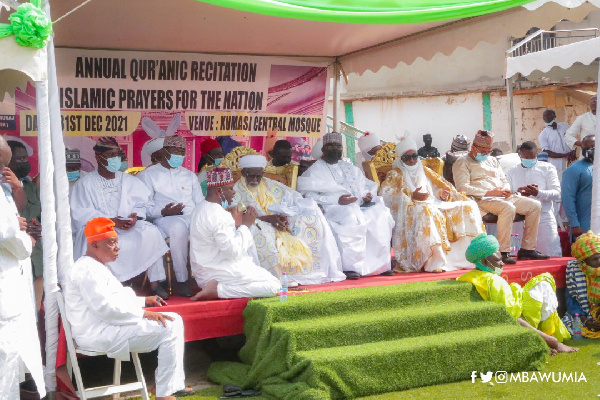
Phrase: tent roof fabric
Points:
(584, 52)
(371, 12)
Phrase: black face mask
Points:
(22, 169)
(589, 154)
(333, 155)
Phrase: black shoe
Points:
(531, 255)
(159, 291)
(389, 272)
(507, 259)
(183, 290)
(351, 275)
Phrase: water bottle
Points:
(513, 245)
(576, 328)
(517, 244)
(283, 292)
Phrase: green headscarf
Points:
(482, 246)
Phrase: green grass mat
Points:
(357, 342)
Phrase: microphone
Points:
(243, 209)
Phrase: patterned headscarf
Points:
(484, 140)
(481, 246)
(175, 141)
(586, 245)
(106, 143)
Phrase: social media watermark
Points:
(528, 377)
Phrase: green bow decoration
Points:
(29, 24)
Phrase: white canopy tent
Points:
(584, 52)
(193, 26)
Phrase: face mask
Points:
(73, 175)
(588, 153)
(550, 123)
(527, 163)
(113, 164)
(481, 157)
(123, 166)
(22, 169)
(175, 161)
(224, 202)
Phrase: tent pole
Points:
(595, 220)
(336, 95)
(511, 113)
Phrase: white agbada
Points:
(544, 175)
(554, 140)
(19, 342)
(584, 125)
(107, 317)
(363, 234)
(173, 185)
(221, 252)
(306, 221)
(143, 246)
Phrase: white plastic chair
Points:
(100, 391)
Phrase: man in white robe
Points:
(107, 317)
(361, 223)
(552, 141)
(538, 180)
(222, 246)
(19, 342)
(292, 235)
(174, 191)
(584, 125)
(125, 200)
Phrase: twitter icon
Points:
(485, 378)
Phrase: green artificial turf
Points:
(586, 361)
(357, 342)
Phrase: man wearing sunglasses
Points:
(481, 177)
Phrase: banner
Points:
(111, 93)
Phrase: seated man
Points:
(212, 155)
(222, 247)
(361, 223)
(293, 235)
(74, 172)
(124, 199)
(480, 176)
(107, 317)
(431, 216)
(539, 181)
(458, 148)
(281, 154)
(174, 191)
(533, 306)
(583, 285)
(369, 144)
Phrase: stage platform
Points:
(212, 319)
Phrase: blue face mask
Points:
(175, 161)
(113, 164)
(550, 123)
(481, 157)
(73, 175)
(527, 163)
(218, 161)
(224, 202)
(123, 166)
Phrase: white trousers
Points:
(177, 229)
(10, 359)
(548, 241)
(257, 283)
(169, 340)
(156, 272)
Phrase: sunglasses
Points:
(412, 156)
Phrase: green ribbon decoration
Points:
(29, 24)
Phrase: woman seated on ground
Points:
(583, 285)
(533, 306)
(434, 223)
